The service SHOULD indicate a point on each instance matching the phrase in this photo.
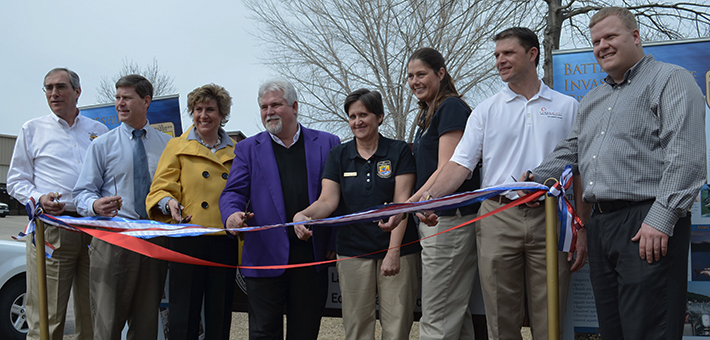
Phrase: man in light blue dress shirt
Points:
(125, 286)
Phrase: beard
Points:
(273, 129)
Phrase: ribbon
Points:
(569, 221)
(34, 210)
(131, 234)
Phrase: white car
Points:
(4, 209)
(13, 320)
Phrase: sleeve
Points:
(452, 115)
(332, 168)
(681, 110)
(470, 148)
(237, 190)
(20, 176)
(166, 182)
(90, 183)
(405, 162)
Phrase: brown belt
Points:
(500, 199)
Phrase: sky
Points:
(195, 43)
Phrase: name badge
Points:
(350, 174)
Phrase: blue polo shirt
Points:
(365, 183)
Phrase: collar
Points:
(381, 151)
(129, 130)
(544, 92)
(278, 141)
(63, 122)
(632, 72)
(226, 141)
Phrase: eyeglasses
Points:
(61, 87)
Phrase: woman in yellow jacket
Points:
(191, 174)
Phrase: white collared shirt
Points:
(48, 157)
(512, 134)
(280, 142)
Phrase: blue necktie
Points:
(141, 177)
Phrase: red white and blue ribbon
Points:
(569, 222)
(148, 229)
(34, 210)
(129, 233)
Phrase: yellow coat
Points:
(194, 176)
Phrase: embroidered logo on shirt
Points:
(93, 135)
(544, 112)
(384, 169)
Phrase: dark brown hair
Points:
(432, 59)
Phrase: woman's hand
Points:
(176, 212)
(390, 264)
(302, 231)
(391, 223)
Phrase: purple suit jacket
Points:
(255, 177)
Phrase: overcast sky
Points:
(196, 43)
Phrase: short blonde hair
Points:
(207, 92)
(628, 18)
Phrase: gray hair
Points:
(278, 84)
(73, 77)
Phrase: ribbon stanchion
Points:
(553, 295)
(42, 282)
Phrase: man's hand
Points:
(390, 264)
(50, 203)
(391, 223)
(581, 250)
(652, 243)
(527, 176)
(108, 206)
(237, 220)
(176, 212)
(330, 254)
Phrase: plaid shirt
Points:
(641, 139)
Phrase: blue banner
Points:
(163, 114)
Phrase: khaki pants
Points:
(448, 271)
(67, 269)
(125, 287)
(362, 285)
(512, 264)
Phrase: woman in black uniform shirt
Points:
(367, 171)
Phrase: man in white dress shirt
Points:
(48, 156)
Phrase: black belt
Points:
(609, 206)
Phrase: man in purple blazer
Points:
(276, 174)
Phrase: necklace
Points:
(212, 148)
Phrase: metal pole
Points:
(41, 280)
(553, 295)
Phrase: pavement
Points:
(11, 226)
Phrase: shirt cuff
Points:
(662, 218)
(163, 204)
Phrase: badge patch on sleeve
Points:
(384, 169)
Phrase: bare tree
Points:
(657, 21)
(162, 82)
(330, 48)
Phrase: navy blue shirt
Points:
(365, 183)
(451, 115)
